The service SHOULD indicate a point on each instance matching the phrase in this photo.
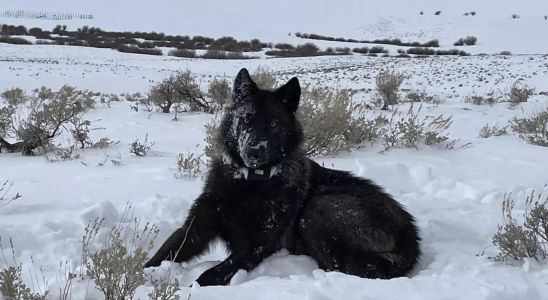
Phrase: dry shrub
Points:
(12, 286)
(6, 119)
(117, 266)
(470, 40)
(4, 198)
(264, 78)
(140, 149)
(422, 96)
(14, 40)
(519, 94)
(163, 94)
(213, 142)
(189, 93)
(189, 166)
(487, 131)
(528, 238)
(183, 53)
(180, 90)
(137, 50)
(165, 288)
(14, 97)
(80, 133)
(481, 100)
(532, 129)
(219, 91)
(409, 131)
(388, 83)
(362, 50)
(220, 54)
(47, 114)
(331, 121)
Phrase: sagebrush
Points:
(532, 128)
(409, 131)
(387, 87)
(188, 166)
(519, 93)
(517, 239)
(117, 267)
(12, 286)
(42, 116)
(140, 149)
(495, 130)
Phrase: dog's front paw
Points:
(212, 277)
(152, 263)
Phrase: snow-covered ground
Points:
(456, 194)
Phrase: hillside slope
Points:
(273, 20)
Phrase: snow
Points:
(456, 195)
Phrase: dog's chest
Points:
(257, 208)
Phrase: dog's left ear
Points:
(290, 94)
(244, 86)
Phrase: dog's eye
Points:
(246, 120)
(273, 124)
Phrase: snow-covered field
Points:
(456, 195)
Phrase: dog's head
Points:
(261, 129)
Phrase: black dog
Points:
(265, 195)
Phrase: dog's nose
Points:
(255, 153)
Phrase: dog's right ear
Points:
(244, 86)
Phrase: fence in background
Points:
(25, 14)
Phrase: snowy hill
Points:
(273, 20)
(455, 194)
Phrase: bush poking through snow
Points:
(388, 83)
(213, 140)
(4, 198)
(409, 131)
(165, 288)
(189, 93)
(47, 114)
(532, 129)
(178, 90)
(331, 121)
(519, 94)
(14, 97)
(487, 131)
(163, 94)
(183, 53)
(12, 286)
(264, 78)
(470, 40)
(117, 268)
(480, 100)
(422, 96)
(505, 52)
(518, 241)
(219, 91)
(6, 117)
(80, 133)
(188, 166)
(140, 149)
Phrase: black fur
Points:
(345, 223)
